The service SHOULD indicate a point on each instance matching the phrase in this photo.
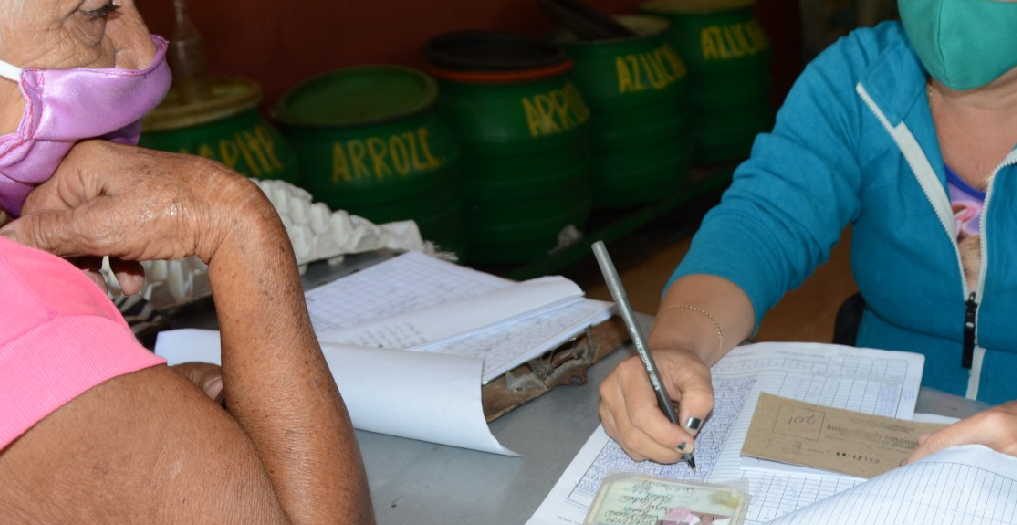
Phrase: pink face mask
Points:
(65, 106)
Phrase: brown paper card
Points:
(828, 438)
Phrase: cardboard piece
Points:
(828, 438)
(566, 365)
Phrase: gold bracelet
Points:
(718, 330)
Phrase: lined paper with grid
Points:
(966, 485)
(406, 283)
(775, 495)
(419, 303)
(868, 381)
(730, 394)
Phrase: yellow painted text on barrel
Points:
(654, 70)
(733, 41)
(555, 111)
(381, 157)
(255, 147)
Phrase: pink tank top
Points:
(59, 337)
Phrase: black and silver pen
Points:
(617, 289)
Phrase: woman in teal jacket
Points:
(905, 131)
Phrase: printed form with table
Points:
(417, 344)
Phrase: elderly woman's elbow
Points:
(148, 429)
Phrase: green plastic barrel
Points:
(635, 88)
(371, 142)
(524, 129)
(226, 127)
(728, 56)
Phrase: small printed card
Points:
(633, 499)
(828, 438)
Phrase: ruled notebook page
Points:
(419, 303)
(970, 485)
(410, 282)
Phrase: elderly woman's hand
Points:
(135, 204)
(206, 376)
(995, 428)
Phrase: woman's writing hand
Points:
(995, 428)
(631, 415)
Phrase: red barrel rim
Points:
(501, 77)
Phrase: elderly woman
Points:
(93, 428)
(906, 132)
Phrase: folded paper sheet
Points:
(427, 396)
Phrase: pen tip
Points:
(692, 462)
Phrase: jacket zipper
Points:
(971, 310)
(919, 162)
(970, 325)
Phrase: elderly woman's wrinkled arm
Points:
(150, 446)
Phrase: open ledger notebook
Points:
(870, 381)
(411, 341)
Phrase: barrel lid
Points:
(227, 97)
(475, 50)
(643, 26)
(682, 7)
(583, 20)
(357, 96)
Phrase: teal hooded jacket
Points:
(855, 144)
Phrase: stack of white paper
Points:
(432, 333)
